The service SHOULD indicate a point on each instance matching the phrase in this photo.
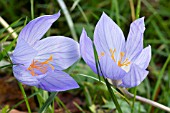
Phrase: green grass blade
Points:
(96, 61)
(61, 104)
(9, 65)
(113, 96)
(135, 89)
(88, 96)
(138, 9)
(78, 107)
(48, 102)
(25, 97)
(68, 18)
(32, 9)
(114, 90)
(159, 79)
(115, 2)
(20, 102)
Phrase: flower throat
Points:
(40, 66)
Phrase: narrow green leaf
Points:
(78, 107)
(48, 102)
(138, 9)
(25, 97)
(115, 91)
(96, 61)
(68, 18)
(88, 97)
(159, 79)
(113, 96)
(115, 2)
(62, 105)
(9, 65)
(7, 48)
(20, 102)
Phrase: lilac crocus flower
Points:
(123, 62)
(39, 62)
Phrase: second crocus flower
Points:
(40, 62)
(124, 62)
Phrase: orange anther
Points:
(101, 54)
(40, 66)
(125, 63)
(112, 54)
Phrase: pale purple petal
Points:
(23, 76)
(108, 35)
(57, 81)
(134, 77)
(134, 44)
(64, 51)
(144, 58)
(110, 69)
(86, 50)
(23, 54)
(36, 28)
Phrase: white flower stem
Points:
(6, 26)
(147, 101)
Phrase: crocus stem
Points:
(134, 98)
(113, 96)
(32, 9)
(147, 101)
(25, 97)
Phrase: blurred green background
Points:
(93, 96)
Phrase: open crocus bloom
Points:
(123, 62)
(39, 62)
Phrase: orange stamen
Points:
(101, 54)
(125, 63)
(120, 63)
(112, 54)
(41, 66)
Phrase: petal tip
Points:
(104, 15)
(138, 24)
(148, 48)
(57, 15)
(84, 31)
(83, 35)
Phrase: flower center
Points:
(125, 62)
(120, 62)
(37, 66)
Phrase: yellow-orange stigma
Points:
(41, 66)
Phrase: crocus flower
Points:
(39, 62)
(123, 62)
